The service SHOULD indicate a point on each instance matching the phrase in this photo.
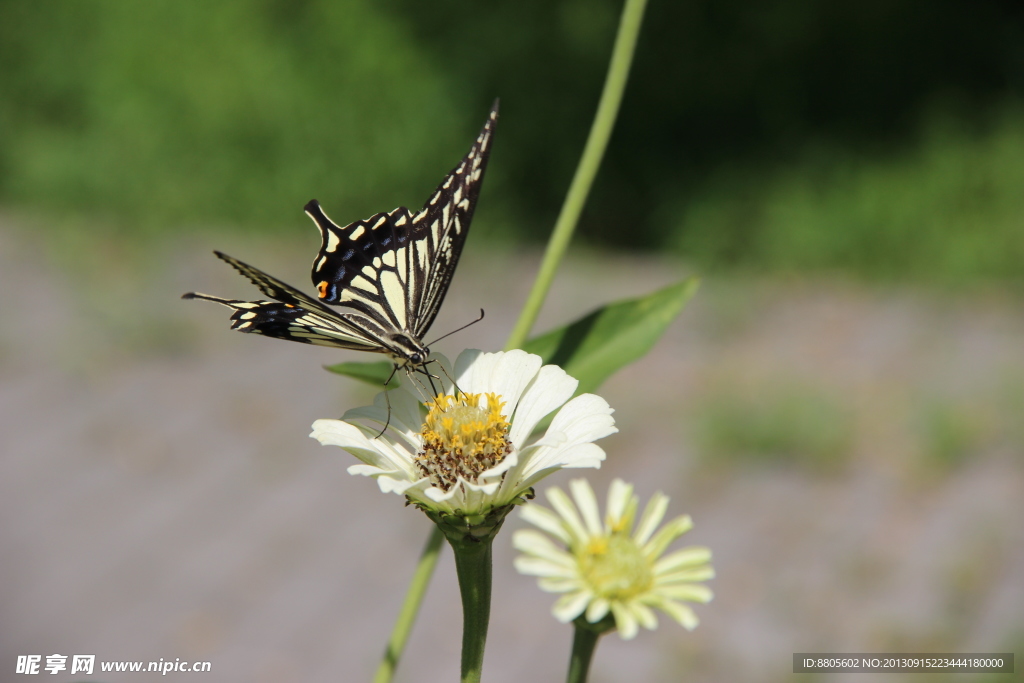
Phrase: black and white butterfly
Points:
(385, 276)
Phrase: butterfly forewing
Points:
(399, 265)
(446, 224)
(271, 286)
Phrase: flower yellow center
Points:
(462, 439)
(615, 567)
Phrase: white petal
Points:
(465, 366)
(524, 484)
(438, 495)
(537, 460)
(681, 613)
(551, 387)
(597, 610)
(668, 533)
(391, 483)
(691, 592)
(585, 418)
(407, 410)
(645, 615)
(422, 492)
(535, 543)
(653, 514)
(504, 373)
(568, 607)
(685, 576)
(625, 622)
(395, 434)
(550, 584)
(687, 557)
(479, 491)
(619, 494)
(365, 470)
(580, 421)
(567, 511)
(545, 520)
(533, 566)
(376, 452)
(586, 501)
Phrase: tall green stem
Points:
(584, 642)
(597, 142)
(473, 565)
(411, 606)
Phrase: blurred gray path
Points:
(160, 498)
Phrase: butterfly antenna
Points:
(458, 330)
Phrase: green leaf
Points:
(375, 373)
(610, 338)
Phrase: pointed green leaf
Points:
(610, 338)
(375, 373)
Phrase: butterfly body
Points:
(380, 281)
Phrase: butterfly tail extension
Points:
(246, 313)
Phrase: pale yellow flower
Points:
(610, 566)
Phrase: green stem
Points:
(600, 131)
(411, 606)
(473, 565)
(584, 642)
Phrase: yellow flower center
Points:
(462, 439)
(615, 567)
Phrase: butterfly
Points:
(384, 277)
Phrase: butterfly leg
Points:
(387, 400)
(455, 385)
(431, 378)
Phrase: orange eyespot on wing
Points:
(321, 288)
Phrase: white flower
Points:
(472, 452)
(612, 568)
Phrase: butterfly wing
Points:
(388, 274)
(440, 228)
(364, 266)
(271, 286)
(296, 316)
(398, 266)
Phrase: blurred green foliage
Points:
(878, 136)
(952, 433)
(161, 113)
(781, 424)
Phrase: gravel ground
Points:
(159, 497)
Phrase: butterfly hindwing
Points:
(358, 265)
